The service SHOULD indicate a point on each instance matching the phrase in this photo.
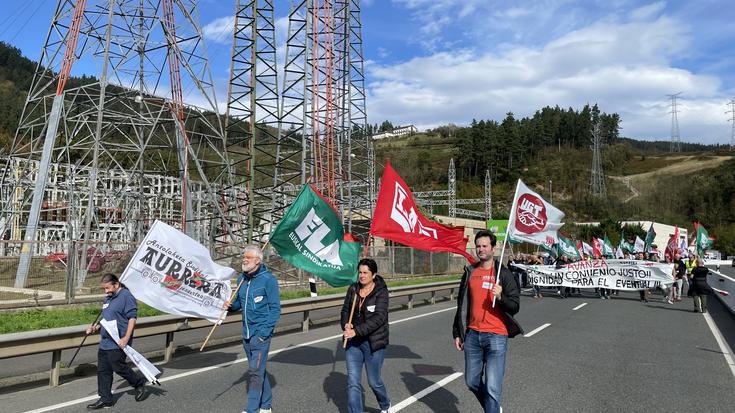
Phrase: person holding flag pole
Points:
(364, 320)
(259, 300)
(482, 330)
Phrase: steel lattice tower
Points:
(323, 102)
(597, 182)
(488, 195)
(675, 139)
(452, 189)
(732, 120)
(252, 122)
(121, 149)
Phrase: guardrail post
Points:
(55, 368)
(433, 297)
(431, 263)
(412, 270)
(305, 323)
(410, 301)
(168, 354)
(451, 294)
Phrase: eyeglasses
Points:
(249, 257)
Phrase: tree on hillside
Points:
(386, 126)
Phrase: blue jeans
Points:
(484, 365)
(358, 353)
(259, 388)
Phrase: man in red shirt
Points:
(482, 329)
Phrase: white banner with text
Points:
(601, 273)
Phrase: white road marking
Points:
(579, 306)
(221, 365)
(436, 386)
(726, 350)
(536, 330)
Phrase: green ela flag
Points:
(650, 236)
(625, 246)
(552, 250)
(567, 247)
(310, 237)
(609, 251)
(703, 240)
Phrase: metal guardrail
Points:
(57, 339)
(726, 283)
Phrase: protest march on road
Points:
(172, 272)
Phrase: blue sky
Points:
(433, 62)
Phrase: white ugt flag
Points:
(532, 219)
(640, 246)
(176, 274)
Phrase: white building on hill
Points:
(396, 132)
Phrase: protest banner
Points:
(175, 274)
(612, 274)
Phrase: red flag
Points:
(397, 218)
(580, 248)
(596, 247)
(673, 244)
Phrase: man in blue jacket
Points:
(119, 306)
(260, 304)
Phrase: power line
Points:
(25, 23)
(13, 15)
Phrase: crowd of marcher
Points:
(689, 276)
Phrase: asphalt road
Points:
(603, 356)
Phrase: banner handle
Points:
(352, 312)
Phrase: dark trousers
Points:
(109, 361)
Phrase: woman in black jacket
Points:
(367, 335)
(699, 287)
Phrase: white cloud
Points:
(625, 67)
(513, 12)
(648, 11)
(219, 30)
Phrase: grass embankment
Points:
(39, 319)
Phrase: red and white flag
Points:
(397, 218)
(597, 247)
(532, 219)
(671, 246)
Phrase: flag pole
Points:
(219, 320)
(224, 311)
(352, 312)
(84, 339)
(511, 221)
(500, 267)
(367, 246)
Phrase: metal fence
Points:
(69, 271)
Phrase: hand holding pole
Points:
(221, 315)
(352, 312)
(85, 338)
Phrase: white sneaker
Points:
(386, 410)
(265, 410)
